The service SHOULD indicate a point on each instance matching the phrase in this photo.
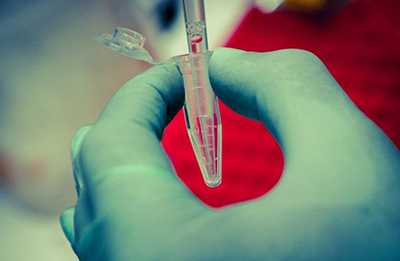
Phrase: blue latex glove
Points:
(338, 198)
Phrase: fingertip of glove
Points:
(166, 71)
(78, 139)
(67, 223)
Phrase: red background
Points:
(360, 45)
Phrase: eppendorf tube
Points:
(201, 112)
(202, 117)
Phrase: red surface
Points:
(361, 47)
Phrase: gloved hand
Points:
(336, 200)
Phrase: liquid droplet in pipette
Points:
(196, 42)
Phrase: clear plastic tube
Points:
(202, 117)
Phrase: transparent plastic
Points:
(195, 23)
(202, 117)
(128, 43)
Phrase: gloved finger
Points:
(67, 224)
(121, 156)
(290, 91)
(131, 125)
(75, 148)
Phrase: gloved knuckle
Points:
(228, 55)
(302, 56)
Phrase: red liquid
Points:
(196, 42)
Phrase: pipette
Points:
(203, 121)
(195, 23)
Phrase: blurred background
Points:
(54, 78)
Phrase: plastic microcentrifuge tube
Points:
(201, 111)
(202, 115)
